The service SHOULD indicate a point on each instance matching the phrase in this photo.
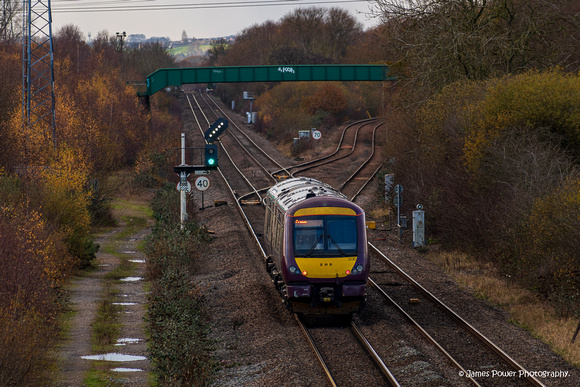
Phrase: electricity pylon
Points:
(38, 101)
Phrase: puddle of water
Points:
(125, 303)
(128, 340)
(137, 260)
(121, 369)
(131, 279)
(114, 357)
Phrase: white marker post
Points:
(183, 184)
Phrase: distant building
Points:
(136, 38)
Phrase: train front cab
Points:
(326, 257)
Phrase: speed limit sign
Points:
(202, 183)
(316, 134)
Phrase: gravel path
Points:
(85, 293)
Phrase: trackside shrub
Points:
(179, 347)
(553, 250)
(178, 324)
(34, 265)
(66, 201)
(495, 164)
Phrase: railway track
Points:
(378, 373)
(239, 174)
(339, 365)
(450, 334)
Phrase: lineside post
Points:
(183, 184)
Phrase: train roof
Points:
(295, 190)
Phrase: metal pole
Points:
(183, 184)
(399, 217)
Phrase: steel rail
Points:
(362, 123)
(338, 147)
(375, 356)
(423, 332)
(365, 162)
(233, 193)
(265, 256)
(460, 321)
(223, 148)
(260, 165)
(282, 168)
(366, 183)
(316, 351)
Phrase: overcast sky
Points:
(199, 18)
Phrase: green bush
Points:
(486, 159)
(177, 320)
(179, 347)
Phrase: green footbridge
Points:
(227, 74)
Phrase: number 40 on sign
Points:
(202, 183)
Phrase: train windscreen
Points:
(328, 235)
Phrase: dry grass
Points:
(525, 308)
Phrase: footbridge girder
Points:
(287, 73)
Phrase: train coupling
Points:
(326, 294)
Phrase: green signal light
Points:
(211, 156)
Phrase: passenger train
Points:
(317, 243)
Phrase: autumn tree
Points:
(494, 163)
(446, 40)
(304, 36)
(217, 50)
(9, 20)
(10, 100)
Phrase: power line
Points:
(84, 8)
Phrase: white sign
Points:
(316, 134)
(202, 183)
(184, 187)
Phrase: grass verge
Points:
(177, 320)
(525, 308)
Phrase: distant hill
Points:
(179, 49)
(194, 47)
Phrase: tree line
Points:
(53, 196)
(483, 129)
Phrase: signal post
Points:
(202, 183)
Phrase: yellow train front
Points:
(317, 243)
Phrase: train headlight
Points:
(294, 270)
(358, 269)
